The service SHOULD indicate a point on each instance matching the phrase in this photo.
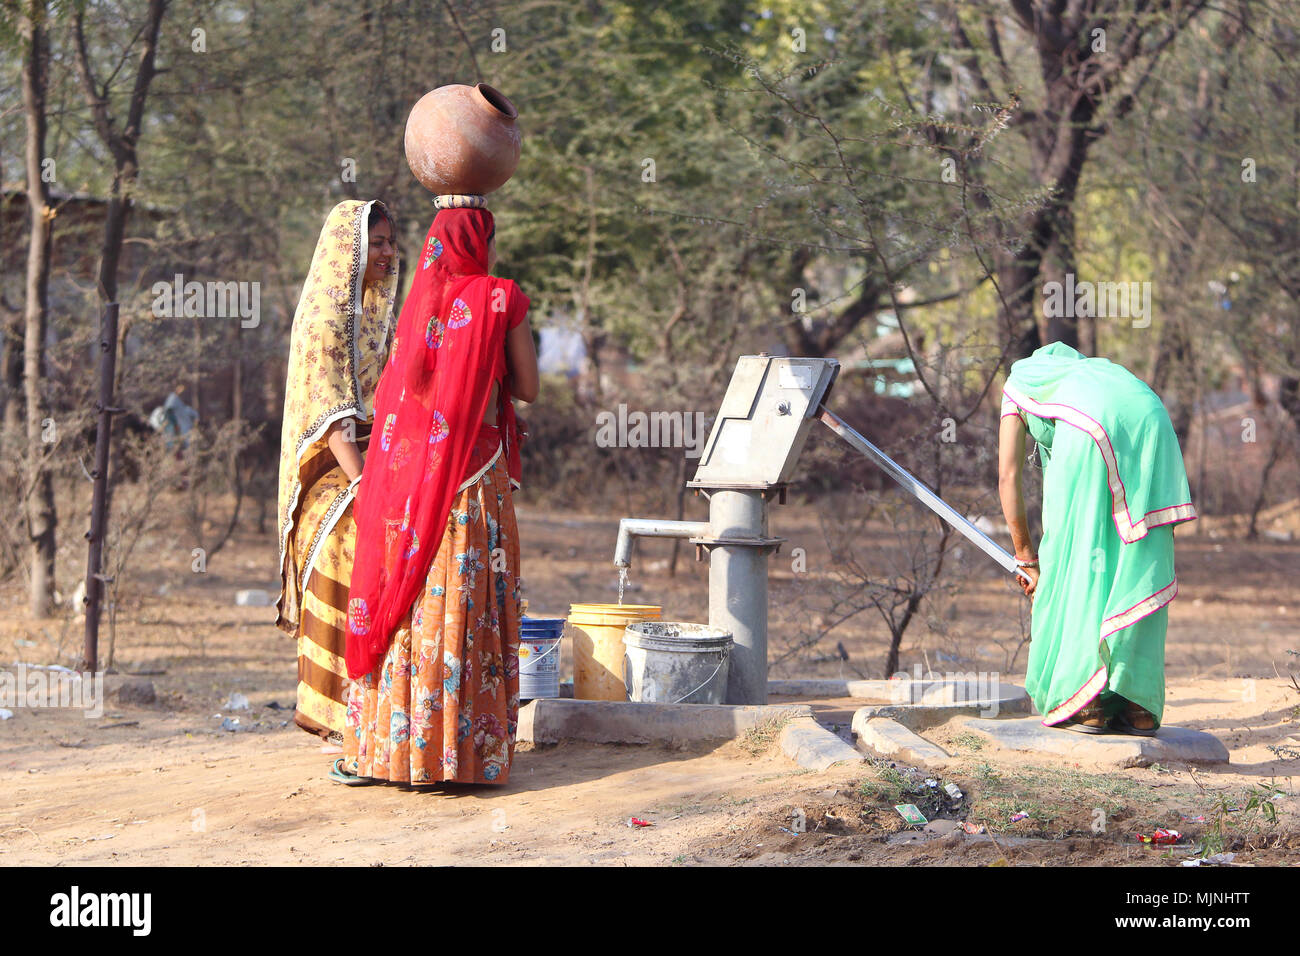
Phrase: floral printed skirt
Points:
(444, 703)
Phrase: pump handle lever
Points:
(920, 492)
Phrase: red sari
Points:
(433, 611)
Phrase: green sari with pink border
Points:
(1114, 485)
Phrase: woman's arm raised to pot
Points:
(521, 363)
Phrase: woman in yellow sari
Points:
(337, 348)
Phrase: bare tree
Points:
(42, 518)
(121, 143)
(1094, 57)
(121, 140)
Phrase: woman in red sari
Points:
(434, 606)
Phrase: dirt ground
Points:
(164, 784)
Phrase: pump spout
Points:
(631, 528)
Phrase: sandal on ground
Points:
(339, 775)
(1089, 720)
(1123, 722)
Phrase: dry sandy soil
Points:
(163, 784)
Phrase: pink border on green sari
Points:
(1097, 682)
(1129, 530)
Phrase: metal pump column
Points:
(770, 406)
(749, 457)
(738, 547)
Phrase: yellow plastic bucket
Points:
(597, 633)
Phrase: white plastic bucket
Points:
(674, 663)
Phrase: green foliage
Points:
(1241, 819)
(799, 149)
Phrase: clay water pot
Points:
(462, 139)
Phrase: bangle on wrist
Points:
(1027, 564)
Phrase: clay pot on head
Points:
(462, 139)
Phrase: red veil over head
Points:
(430, 403)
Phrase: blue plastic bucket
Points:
(539, 657)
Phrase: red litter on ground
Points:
(1160, 837)
(634, 822)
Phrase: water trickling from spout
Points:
(622, 583)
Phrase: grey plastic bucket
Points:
(666, 662)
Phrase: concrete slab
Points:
(917, 704)
(550, 720)
(919, 717)
(813, 747)
(817, 687)
(1170, 745)
(888, 738)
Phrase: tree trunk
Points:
(1057, 262)
(1289, 398)
(41, 517)
(1274, 453)
(12, 364)
(121, 143)
(1018, 279)
(1174, 366)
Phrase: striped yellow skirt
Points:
(325, 534)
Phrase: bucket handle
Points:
(540, 657)
(726, 654)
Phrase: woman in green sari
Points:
(1114, 486)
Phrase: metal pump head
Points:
(766, 414)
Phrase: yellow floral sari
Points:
(337, 349)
